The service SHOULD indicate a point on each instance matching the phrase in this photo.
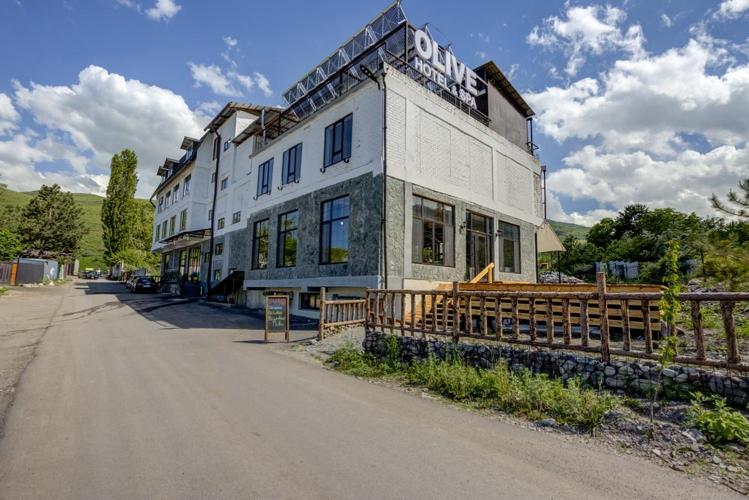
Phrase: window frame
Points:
(186, 185)
(236, 217)
(224, 183)
(172, 224)
(282, 234)
(326, 260)
(218, 248)
(418, 221)
(221, 223)
(264, 178)
(517, 247)
(255, 244)
(183, 219)
(175, 194)
(333, 154)
(293, 153)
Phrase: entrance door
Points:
(478, 243)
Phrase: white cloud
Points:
(163, 9)
(731, 9)
(213, 77)
(263, 84)
(83, 124)
(245, 81)
(8, 114)
(594, 29)
(230, 42)
(666, 21)
(481, 54)
(666, 130)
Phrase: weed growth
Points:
(717, 421)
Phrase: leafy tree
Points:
(143, 225)
(578, 257)
(137, 259)
(118, 211)
(738, 202)
(52, 223)
(10, 244)
(602, 234)
(628, 220)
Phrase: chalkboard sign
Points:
(277, 315)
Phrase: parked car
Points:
(130, 283)
(145, 284)
(90, 274)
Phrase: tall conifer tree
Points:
(118, 211)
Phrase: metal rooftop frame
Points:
(381, 26)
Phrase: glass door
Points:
(478, 243)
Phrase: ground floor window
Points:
(217, 275)
(193, 269)
(334, 228)
(309, 300)
(433, 234)
(260, 237)
(509, 247)
(288, 229)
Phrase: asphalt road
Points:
(132, 397)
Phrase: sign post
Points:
(277, 315)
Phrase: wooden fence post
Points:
(456, 314)
(733, 356)
(321, 332)
(604, 313)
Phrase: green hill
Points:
(564, 229)
(92, 246)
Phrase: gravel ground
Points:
(627, 429)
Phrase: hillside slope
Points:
(564, 229)
(92, 246)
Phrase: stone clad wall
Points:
(632, 377)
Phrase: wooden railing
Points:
(487, 272)
(548, 320)
(339, 313)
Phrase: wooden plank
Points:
(601, 282)
(584, 328)
(549, 322)
(699, 334)
(732, 355)
(566, 324)
(626, 335)
(648, 328)
(532, 316)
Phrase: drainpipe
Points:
(213, 206)
(384, 180)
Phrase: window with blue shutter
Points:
(264, 178)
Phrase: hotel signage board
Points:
(277, 315)
(443, 68)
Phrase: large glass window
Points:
(260, 238)
(338, 141)
(334, 231)
(509, 248)
(264, 177)
(292, 164)
(288, 229)
(433, 233)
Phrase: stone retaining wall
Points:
(633, 377)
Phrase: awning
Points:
(548, 241)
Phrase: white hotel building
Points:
(392, 165)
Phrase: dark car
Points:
(145, 284)
(90, 275)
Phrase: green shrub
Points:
(521, 392)
(717, 421)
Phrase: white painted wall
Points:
(434, 144)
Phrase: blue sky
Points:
(637, 101)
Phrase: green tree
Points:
(119, 211)
(143, 225)
(10, 244)
(738, 202)
(52, 223)
(602, 234)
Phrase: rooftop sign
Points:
(443, 68)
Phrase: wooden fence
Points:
(338, 313)
(569, 320)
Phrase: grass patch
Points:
(3, 290)
(720, 423)
(520, 392)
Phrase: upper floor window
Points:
(161, 204)
(292, 164)
(334, 231)
(236, 217)
(433, 234)
(163, 230)
(186, 187)
(260, 237)
(219, 249)
(264, 177)
(288, 228)
(168, 199)
(183, 220)
(509, 247)
(175, 194)
(210, 214)
(338, 141)
(172, 223)
(226, 145)
(221, 223)
(157, 232)
(213, 177)
(224, 183)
